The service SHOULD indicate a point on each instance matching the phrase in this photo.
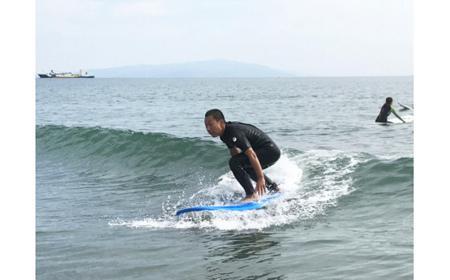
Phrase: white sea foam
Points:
(311, 183)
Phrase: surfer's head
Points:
(215, 122)
(389, 100)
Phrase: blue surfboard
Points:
(244, 206)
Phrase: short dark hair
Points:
(388, 99)
(216, 114)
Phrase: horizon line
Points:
(254, 77)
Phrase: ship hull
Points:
(46, 76)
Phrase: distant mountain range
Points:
(198, 69)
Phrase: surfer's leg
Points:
(237, 164)
(251, 172)
(267, 157)
(242, 169)
(270, 185)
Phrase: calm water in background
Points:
(117, 157)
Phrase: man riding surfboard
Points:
(251, 151)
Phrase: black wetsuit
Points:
(244, 136)
(384, 113)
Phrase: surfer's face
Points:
(214, 127)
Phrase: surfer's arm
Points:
(260, 183)
(395, 113)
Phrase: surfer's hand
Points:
(261, 186)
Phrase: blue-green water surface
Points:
(116, 158)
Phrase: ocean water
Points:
(116, 158)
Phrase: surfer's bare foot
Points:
(251, 197)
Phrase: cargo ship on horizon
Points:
(65, 75)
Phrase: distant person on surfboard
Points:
(251, 151)
(386, 110)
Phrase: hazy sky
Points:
(304, 37)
